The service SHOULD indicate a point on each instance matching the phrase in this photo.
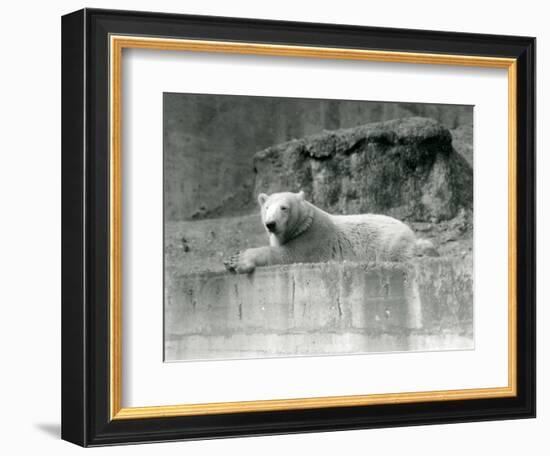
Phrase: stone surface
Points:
(323, 308)
(463, 142)
(405, 168)
(210, 141)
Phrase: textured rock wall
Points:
(320, 309)
(404, 168)
(209, 142)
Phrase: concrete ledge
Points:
(322, 308)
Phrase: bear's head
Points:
(284, 215)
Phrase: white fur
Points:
(304, 233)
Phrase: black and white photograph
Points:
(312, 227)
(275, 228)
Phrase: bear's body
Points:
(300, 232)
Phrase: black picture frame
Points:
(85, 228)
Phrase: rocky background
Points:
(210, 141)
(221, 151)
(405, 168)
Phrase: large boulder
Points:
(406, 168)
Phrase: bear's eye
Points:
(284, 208)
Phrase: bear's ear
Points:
(262, 198)
(301, 195)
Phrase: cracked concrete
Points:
(320, 309)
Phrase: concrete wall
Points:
(209, 141)
(315, 309)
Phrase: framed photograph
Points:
(278, 227)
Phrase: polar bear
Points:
(300, 232)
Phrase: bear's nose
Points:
(270, 226)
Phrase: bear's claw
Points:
(239, 263)
(231, 262)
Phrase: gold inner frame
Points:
(117, 44)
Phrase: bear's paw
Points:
(239, 263)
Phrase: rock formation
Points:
(405, 168)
